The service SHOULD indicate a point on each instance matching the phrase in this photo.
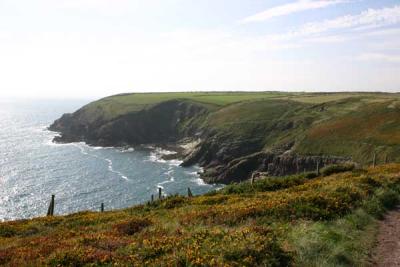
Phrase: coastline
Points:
(170, 153)
(79, 172)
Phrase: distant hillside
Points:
(240, 133)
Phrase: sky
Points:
(94, 48)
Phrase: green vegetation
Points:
(114, 106)
(353, 127)
(337, 168)
(309, 219)
(239, 133)
(292, 221)
(266, 184)
(367, 128)
(317, 124)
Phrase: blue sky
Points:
(93, 48)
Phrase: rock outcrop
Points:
(269, 163)
(163, 123)
(226, 158)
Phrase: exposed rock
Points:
(272, 164)
(178, 125)
(159, 124)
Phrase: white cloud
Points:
(287, 9)
(379, 57)
(95, 61)
(92, 64)
(382, 33)
(371, 18)
(328, 39)
(85, 9)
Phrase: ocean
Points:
(32, 167)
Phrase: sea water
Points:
(81, 177)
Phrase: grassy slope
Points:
(355, 126)
(320, 123)
(325, 221)
(262, 120)
(113, 106)
(365, 126)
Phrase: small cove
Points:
(32, 168)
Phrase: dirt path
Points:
(387, 252)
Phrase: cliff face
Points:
(166, 122)
(227, 154)
(268, 163)
(226, 162)
(275, 136)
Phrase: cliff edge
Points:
(239, 134)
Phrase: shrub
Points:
(311, 175)
(7, 231)
(382, 200)
(132, 226)
(5, 256)
(265, 185)
(29, 231)
(388, 198)
(264, 254)
(211, 193)
(211, 200)
(173, 202)
(337, 168)
(368, 180)
(374, 207)
(170, 202)
(66, 259)
(277, 221)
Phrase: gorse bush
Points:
(266, 184)
(294, 220)
(168, 202)
(214, 246)
(337, 168)
(173, 202)
(132, 226)
(7, 231)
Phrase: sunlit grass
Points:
(297, 220)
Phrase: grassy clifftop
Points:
(117, 105)
(235, 126)
(298, 220)
(114, 106)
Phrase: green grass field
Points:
(115, 106)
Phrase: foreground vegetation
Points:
(301, 220)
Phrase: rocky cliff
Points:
(276, 137)
(225, 158)
(163, 123)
